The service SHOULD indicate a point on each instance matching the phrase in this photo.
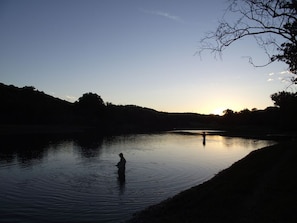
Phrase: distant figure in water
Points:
(121, 167)
(204, 136)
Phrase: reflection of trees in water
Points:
(89, 145)
(31, 149)
(26, 150)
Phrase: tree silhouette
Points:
(273, 23)
(284, 99)
(91, 107)
(287, 102)
(90, 101)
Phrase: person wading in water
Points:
(121, 167)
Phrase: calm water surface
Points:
(76, 180)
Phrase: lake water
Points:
(76, 180)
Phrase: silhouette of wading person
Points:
(121, 167)
(204, 137)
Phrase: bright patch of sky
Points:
(132, 52)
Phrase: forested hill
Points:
(28, 106)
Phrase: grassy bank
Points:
(262, 187)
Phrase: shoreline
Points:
(261, 187)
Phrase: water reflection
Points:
(229, 142)
(89, 146)
(122, 184)
(31, 150)
(25, 150)
(76, 180)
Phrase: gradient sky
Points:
(132, 52)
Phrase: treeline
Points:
(280, 117)
(28, 106)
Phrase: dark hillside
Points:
(29, 106)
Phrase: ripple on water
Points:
(68, 188)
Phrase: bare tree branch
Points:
(273, 23)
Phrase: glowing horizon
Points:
(132, 52)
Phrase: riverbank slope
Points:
(259, 188)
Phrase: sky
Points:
(140, 52)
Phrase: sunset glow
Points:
(132, 52)
(218, 111)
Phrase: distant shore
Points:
(259, 188)
(41, 129)
(31, 129)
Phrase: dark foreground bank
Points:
(262, 187)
